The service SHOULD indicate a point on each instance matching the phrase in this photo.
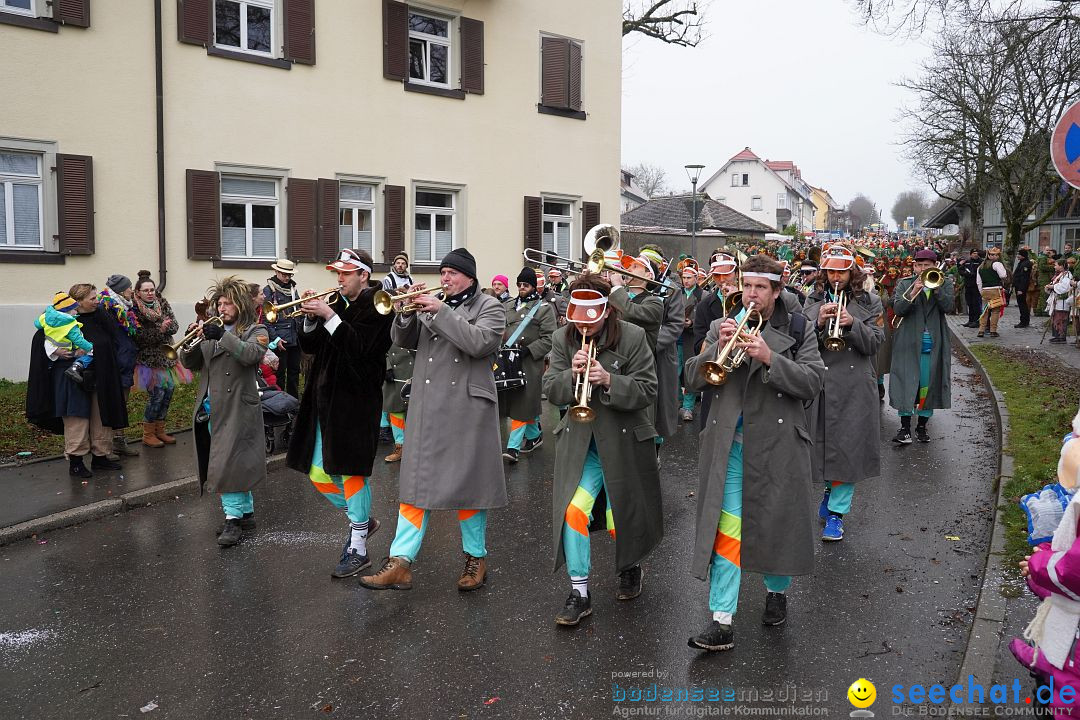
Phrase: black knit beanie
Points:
(461, 260)
(527, 275)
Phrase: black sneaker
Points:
(511, 455)
(576, 608)
(101, 462)
(1020, 325)
(881, 393)
(775, 609)
(903, 437)
(531, 445)
(77, 468)
(231, 533)
(629, 583)
(247, 523)
(921, 434)
(350, 564)
(386, 435)
(713, 638)
(75, 373)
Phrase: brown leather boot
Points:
(159, 430)
(149, 437)
(394, 575)
(394, 456)
(474, 574)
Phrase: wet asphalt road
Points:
(99, 621)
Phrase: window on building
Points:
(245, 25)
(994, 239)
(722, 200)
(20, 201)
(781, 200)
(1071, 234)
(745, 179)
(561, 77)
(356, 207)
(429, 50)
(755, 202)
(433, 228)
(734, 179)
(558, 226)
(249, 217)
(19, 7)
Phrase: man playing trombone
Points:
(336, 433)
(754, 459)
(850, 326)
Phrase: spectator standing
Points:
(281, 289)
(1059, 291)
(969, 271)
(116, 300)
(399, 277)
(1021, 284)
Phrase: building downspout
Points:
(160, 91)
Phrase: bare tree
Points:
(861, 211)
(676, 22)
(910, 203)
(652, 179)
(912, 16)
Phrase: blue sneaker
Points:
(823, 508)
(834, 529)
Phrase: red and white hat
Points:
(586, 307)
(722, 264)
(348, 261)
(837, 258)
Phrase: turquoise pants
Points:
(351, 493)
(521, 431)
(924, 380)
(237, 504)
(840, 496)
(575, 532)
(412, 525)
(688, 398)
(725, 574)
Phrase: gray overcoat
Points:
(399, 365)
(233, 457)
(624, 437)
(667, 364)
(644, 310)
(883, 360)
(525, 403)
(923, 314)
(453, 449)
(845, 416)
(777, 525)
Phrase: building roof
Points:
(673, 213)
(949, 215)
(833, 205)
(745, 154)
(772, 166)
(784, 166)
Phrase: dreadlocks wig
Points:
(236, 291)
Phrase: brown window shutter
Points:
(574, 81)
(555, 63)
(533, 222)
(75, 203)
(194, 21)
(204, 214)
(590, 217)
(300, 31)
(328, 216)
(395, 40)
(72, 12)
(394, 223)
(301, 222)
(472, 55)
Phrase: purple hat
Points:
(926, 254)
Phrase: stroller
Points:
(279, 410)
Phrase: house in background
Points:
(826, 210)
(631, 194)
(1060, 228)
(770, 192)
(667, 222)
(295, 128)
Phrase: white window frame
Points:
(734, 179)
(722, 200)
(756, 199)
(995, 239)
(38, 180)
(448, 41)
(557, 219)
(32, 12)
(745, 180)
(271, 5)
(1075, 230)
(781, 201)
(48, 222)
(248, 201)
(376, 185)
(456, 213)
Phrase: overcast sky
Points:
(799, 80)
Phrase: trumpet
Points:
(729, 358)
(273, 312)
(189, 342)
(932, 278)
(384, 301)
(581, 412)
(834, 342)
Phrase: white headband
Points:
(768, 276)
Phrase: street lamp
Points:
(693, 172)
(798, 221)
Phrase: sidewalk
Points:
(1024, 338)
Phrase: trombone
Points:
(729, 358)
(384, 301)
(834, 342)
(274, 311)
(581, 412)
(189, 342)
(932, 278)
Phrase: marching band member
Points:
(724, 270)
(692, 294)
(453, 430)
(612, 454)
(529, 323)
(399, 370)
(919, 378)
(667, 354)
(847, 407)
(990, 279)
(754, 460)
(335, 437)
(230, 450)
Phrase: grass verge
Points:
(1041, 395)
(17, 435)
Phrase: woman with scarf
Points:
(116, 300)
(155, 373)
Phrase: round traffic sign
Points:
(1065, 146)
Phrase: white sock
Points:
(724, 618)
(231, 517)
(581, 584)
(358, 541)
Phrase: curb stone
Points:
(980, 656)
(103, 508)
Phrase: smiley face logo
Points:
(862, 693)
